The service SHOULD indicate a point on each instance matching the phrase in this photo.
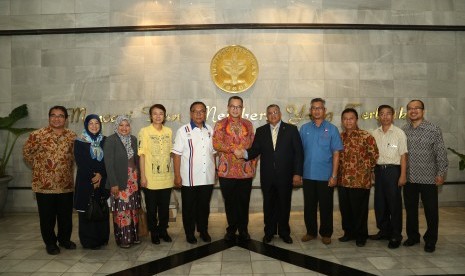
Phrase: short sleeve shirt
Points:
(156, 147)
(195, 147)
(51, 156)
(392, 144)
(319, 144)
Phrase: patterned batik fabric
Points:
(357, 160)
(125, 208)
(228, 136)
(427, 154)
(51, 157)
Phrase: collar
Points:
(323, 123)
(230, 119)
(354, 132)
(278, 125)
(380, 128)
(421, 125)
(193, 125)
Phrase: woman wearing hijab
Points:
(121, 165)
(90, 177)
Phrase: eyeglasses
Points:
(198, 112)
(414, 108)
(273, 113)
(235, 107)
(385, 114)
(317, 108)
(60, 116)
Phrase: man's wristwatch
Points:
(334, 176)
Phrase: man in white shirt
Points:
(390, 176)
(194, 172)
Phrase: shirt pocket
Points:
(324, 140)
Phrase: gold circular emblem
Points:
(234, 69)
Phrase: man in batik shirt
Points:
(50, 153)
(356, 164)
(426, 170)
(235, 174)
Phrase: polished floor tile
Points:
(22, 252)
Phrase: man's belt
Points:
(385, 166)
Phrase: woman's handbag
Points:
(142, 214)
(142, 226)
(97, 209)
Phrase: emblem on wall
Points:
(234, 69)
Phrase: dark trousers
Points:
(236, 195)
(353, 205)
(429, 198)
(196, 208)
(277, 208)
(93, 233)
(157, 203)
(55, 208)
(318, 195)
(388, 201)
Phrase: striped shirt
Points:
(392, 144)
(427, 155)
(195, 147)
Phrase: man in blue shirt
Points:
(321, 143)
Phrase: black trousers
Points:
(353, 205)
(388, 201)
(196, 208)
(157, 203)
(55, 208)
(429, 198)
(236, 196)
(277, 208)
(318, 195)
(93, 233)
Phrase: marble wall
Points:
(120, 73)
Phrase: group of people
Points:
(121, 167)
(412, 159)
(111, 169)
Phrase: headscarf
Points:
(125, 139)
(96, 151)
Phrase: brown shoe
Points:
(307, 238)
(326, 240)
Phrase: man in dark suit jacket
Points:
(281, 165)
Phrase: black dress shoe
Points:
(230, 237)
(360, 242)
(430, 247)
(155, 238)
(410, 242)
(205, 236)
(67, 245)
(345, 238)
(378, 236)
(165, 237)
(393, 243)
(52, 249)
(191, 239)
(244, 237)
(287, 239)
(267, 238)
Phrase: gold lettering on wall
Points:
(296, 112)
(76, 114)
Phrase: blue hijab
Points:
(96, 151)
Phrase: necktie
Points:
(274, 136)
